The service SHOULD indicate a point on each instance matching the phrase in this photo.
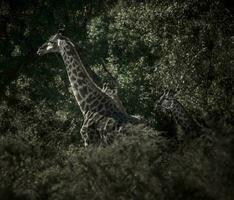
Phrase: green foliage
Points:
(182, 45)
(148, 46)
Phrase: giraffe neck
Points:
(181, 116)
(88, 95)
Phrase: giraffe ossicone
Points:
(102, 115)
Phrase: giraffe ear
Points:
(61, 29)
(59, 42)
(49, 47)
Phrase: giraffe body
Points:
(102, 115)
(171, 105)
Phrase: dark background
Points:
(148, 46)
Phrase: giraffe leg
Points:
(84, 135)
(85, 129)
(109, 131)
(112, 130)
(90, 129)
(90, 134)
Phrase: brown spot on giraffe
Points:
(83, 90)
(80, 81)
(74, 71)
(75, 86)
(73, 78)
(79, 98)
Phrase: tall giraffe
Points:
(170, 104)
(101, 114)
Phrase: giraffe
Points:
(170, 105)
(101, 114)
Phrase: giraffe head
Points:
(165, 102)
(53, 43)
(50, 46)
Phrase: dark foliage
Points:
(148, 46)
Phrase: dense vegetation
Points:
(148, 46)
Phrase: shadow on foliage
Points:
(143, 165)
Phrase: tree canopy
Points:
(148, 46)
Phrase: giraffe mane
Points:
(69, 42)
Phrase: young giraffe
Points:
(101, 114)
(170, 104)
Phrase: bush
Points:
(149, 46)
(142, 165)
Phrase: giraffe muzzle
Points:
(38, 52)
(41, 50)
